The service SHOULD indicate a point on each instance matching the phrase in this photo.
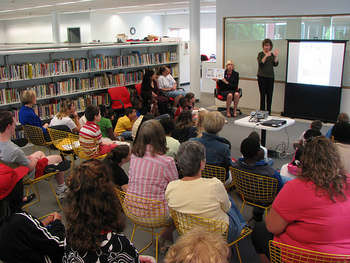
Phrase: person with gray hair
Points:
(204, 197)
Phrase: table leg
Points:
(263, 137)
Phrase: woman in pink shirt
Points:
(313, 210)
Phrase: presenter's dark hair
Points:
(267, 41)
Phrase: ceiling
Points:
(12, 9)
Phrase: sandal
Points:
(61, 167)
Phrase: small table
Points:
(244, 122)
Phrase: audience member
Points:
(198, 246)
(200, 122)
(315, 125)
(307, 211)
(342, 142)
(14, 156)
(105, 123)
(124, 124)
(26, 114)
(114, 160)
(218, 149)
(181, 107)
(62, 118)
(94, 219)
(190, 101)
(203, 197)
(167, 84)
(90, 136)
(171, 143)
(184, 127)
(256, 136)
(137, 124)
(293, 169)
(342, 117)
(150, 169)
(23, 238)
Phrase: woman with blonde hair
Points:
(200, 122)
(198, 246)
(63, 117)
(311, 211)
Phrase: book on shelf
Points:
(70, 65)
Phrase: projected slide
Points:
(315, 63)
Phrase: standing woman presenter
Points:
(267, 59)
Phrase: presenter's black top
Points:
(266, 69)
(232, 79)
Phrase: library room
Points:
(112, 113)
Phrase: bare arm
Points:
(275, 223)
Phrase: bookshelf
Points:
(78, 72)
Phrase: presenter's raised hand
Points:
(276, 52)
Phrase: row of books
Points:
(71, 65)
(73, 85)
(48, 110)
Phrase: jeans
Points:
(126, 135)
(236, 220)
(175, 93)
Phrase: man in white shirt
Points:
(167, 84)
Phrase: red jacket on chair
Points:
(120, 97)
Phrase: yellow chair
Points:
(145, 214)
(35, 135)
(255, 190)
(280, 252)
(219, 172)
(60, 139)
(74, 141)
(31, 185)
(185, 222)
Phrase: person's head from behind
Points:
(200, 121)
(229, 65)
(11, 188)
(131, 113)
(184, 120)
(7, 123)
(119, 155)
(151, 135)
(255, 136)
(316, 125)
(198, 246)
(136, 126)
(267, 45)
(190, 98)
(103, 110)
(214, 121)
(92, 203)
(341, 132)
(183, 102)
(251, 150)
(28, 97)
(148, 77)
(67, 108)
(321, 164)
(343, 117)
(190, 158)
(310, 134)
(92, 113)
(168, 125)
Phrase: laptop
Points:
(274, 123)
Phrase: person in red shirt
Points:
(313, 210)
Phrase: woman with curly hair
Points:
(313, 210)
(93, 218)
(184, 127)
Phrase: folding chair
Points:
(256, 190)
(185, 222)
(60, 139)
(280, 252)
(219, 172)
(35, 135)
(146, 214)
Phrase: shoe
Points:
(30, 198)
(61, 192)
(61, 167)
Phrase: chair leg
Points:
(54, 194)
(157, 241)
(133, 233)
(238, 254)
(242, 206)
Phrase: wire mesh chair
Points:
(280, 252)
(254, 189)
(77, 149)
(185, 222)
(31, 185)
(219, 172)
(146, 214)
(35, 135)
(60, 139)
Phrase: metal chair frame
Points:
(280, 252)
(146, 214)
(255, 190)
(35, 135)
(185, 222)
(219, 172)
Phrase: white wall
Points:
(29, 30)
(225, 8)
(2, 32)
(105, 27)
(81, 20)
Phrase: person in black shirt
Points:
(228, 88)
(114, 160)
